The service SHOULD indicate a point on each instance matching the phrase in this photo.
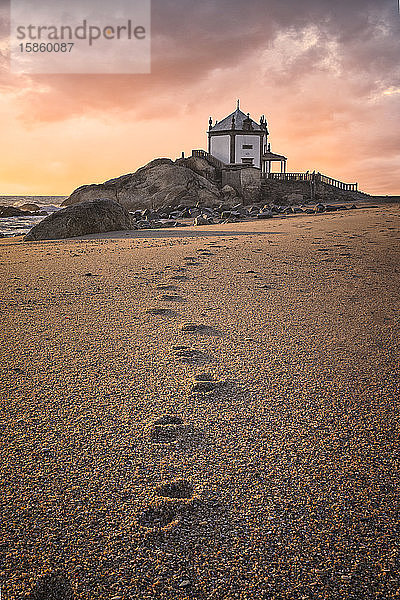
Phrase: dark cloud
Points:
(191, 38)
(326, 73)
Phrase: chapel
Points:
(239, 140)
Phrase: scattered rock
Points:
(201, 221)
(170, 223)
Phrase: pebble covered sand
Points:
(203, 413)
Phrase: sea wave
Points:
(12, 226)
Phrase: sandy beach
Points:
(204, 413)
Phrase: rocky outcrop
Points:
(20, 211)
(30, 207)
(161, 183)
(230, 194)
(96, 216)
(294, 192)
(199, 165)
(294, 198)
(11, 211)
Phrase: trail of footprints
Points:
(176, 499)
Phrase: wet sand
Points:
(204, 413)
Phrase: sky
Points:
(326, 74)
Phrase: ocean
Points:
(11, 226)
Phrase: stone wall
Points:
(232, 178)
(276, 191)
(247, 182)
(251, 184)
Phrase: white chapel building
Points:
(238, 140)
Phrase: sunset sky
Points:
(326, 73)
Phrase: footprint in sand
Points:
(204, 384)
(179, 488)
(168, 429)
(199, 328)
(172, 298)
(180, 277)
(52, 585)
(167, 288)
(188, 353)
(175, 499)
(193, 327)
(162, 517)
(203, 387)
(163, 312)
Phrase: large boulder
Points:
(30, 207)
(94, 216)
(159, 184)
(11, 211)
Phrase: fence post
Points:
(312, 188)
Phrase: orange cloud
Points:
(321, 73)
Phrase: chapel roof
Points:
(240, 116)
(272, 156)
